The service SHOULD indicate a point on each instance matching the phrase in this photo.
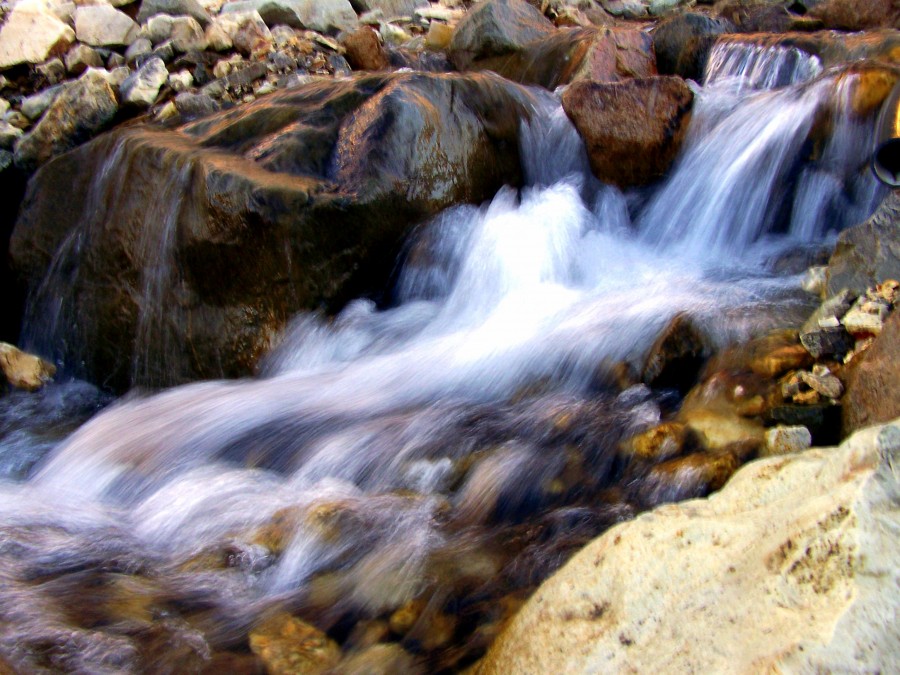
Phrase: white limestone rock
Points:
(32, 35)
(104, 26)
(792, 567)
(786, 440)
(142, 86)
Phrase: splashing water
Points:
(377, 445)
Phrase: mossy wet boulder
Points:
(179, 252)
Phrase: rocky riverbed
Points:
(496, 283)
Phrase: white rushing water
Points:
(553, 283)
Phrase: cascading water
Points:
(456, 446)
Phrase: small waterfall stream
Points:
(457, 446)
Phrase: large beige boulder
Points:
(792, 567)
(32, 34)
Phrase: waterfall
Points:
(760, 66)
(385, 439)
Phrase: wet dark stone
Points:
(298, 201)
(683, 42)
(823, 420)
(676, 357)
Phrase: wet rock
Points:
(873, 381)
(868, 253)
(686, 477)
(675, 358)
(633, 130)
(322, 182)
(721, 430)
(781, 360)
(83, 109)
(32, 34)
(660, 442)
(856, 16)
(815, 280)
(192, 8)
(824, 383)
(495, 28)
(823, 420)
(104, 26)
(289, 646)
(682, 43)
(364, 50)
(23, 370)
(823, 334)
(783, 440)
(597, 54)
(381, 659)
(405, 617)
(142, 87)
(792, 567)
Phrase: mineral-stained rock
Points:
(104, 26)
(633, 129)
(868, 253)
(298, 201)
(660, 442)
(81, 110)
(854, 15)
(790, 568)
(609, 54)
(24, 371)
(32, 34)
(364, 50)
(289, 646)
(495, 28)
(873, 381)
(686, 477)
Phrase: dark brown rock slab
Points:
(176, 254)
(873, 381)
(633, 130)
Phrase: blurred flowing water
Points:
(457, 446)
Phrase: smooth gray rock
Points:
(82, 57)
(137, 49)
(320, 15)
(142, 87)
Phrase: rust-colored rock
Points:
(364, 50)
(633, 130)
(657, 443)
(857, 15)
(687, 477)
(289, 646)
(873, 381)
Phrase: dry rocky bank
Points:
(791, 565)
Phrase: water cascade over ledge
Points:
(455, 447)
